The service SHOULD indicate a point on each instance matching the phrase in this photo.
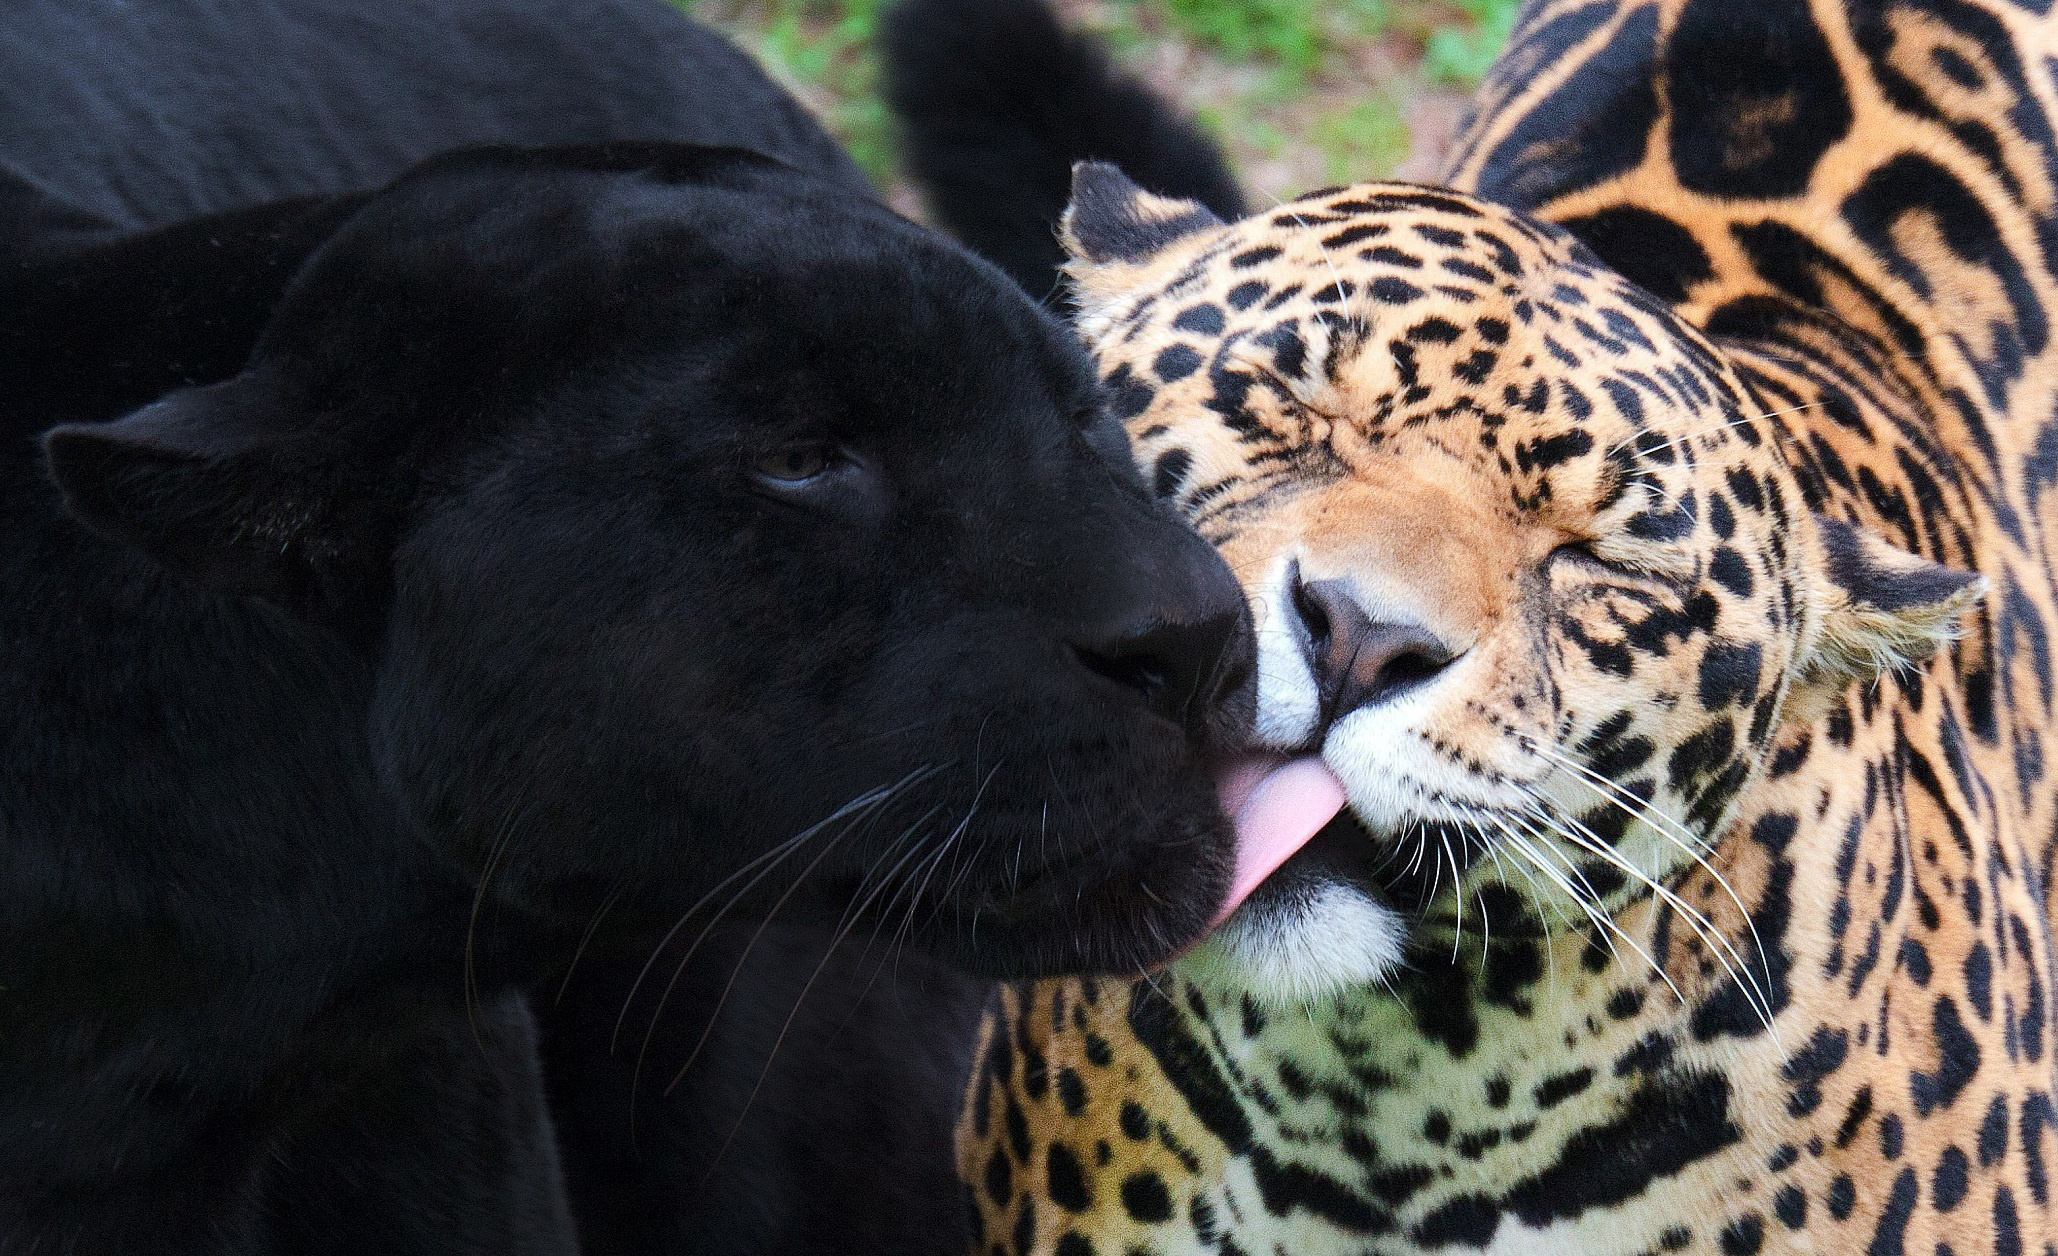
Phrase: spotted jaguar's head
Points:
(1529, 569)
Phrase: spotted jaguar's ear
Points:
(1115, 231)
(1883, 608)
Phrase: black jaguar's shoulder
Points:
(148, 115)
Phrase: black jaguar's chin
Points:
(1121, 907)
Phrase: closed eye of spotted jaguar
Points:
(1652, 530)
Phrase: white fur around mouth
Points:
(1303, 949)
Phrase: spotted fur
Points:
(1680, 420)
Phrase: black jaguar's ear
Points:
(1883, 608)
(227, 486)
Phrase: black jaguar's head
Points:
(713, 532)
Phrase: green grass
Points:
(1463, 54)
(1365, 139)
(823, 51)
(1461, 37)
(1309, 103)
(1280, 31)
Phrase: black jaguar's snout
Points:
(1190, 655)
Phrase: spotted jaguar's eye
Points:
(1576, 551)
(794, 464)
(1639, 562)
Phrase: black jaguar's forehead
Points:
(758, 297)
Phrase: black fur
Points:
(996, 102)
(814, 1120)
(466, 609)
(1109, 222)
(146, 114)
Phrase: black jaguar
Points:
(414, 564)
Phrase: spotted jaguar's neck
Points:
(1862, 222)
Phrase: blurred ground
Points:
(1303, 92)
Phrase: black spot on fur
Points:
(1947, 1186)
(1824, 1054)
(1145, 1198)
(1729, 674)
(1289, 351)
(1624, 1004)
(1017, 1127)
(1888, 1235)
(2007, 1225)
(1756, 97)
(1468, 1220)
(1649, 1054)
(1729, 570)
(1442, 1007)
(1744, 1236)
(1979, 979)
(1841, 1196)
(1396, 1186)
(1665, 1127)
(1390, 291)
(1161, 1030)
(1562, 143)
(1169, 475)
(1352, 235)
(1855, 1114)
(1648, 248)
(1550, 451)
(1025, 1225)
(1700, 754)
(1175, 362)
(1000, 1178)
(1993, 1133)
(1067, 1180)
(1287, 1187)
(1511, 968)
(1958, 1060)
(1128, 396)
(1071, 1092)
(1552, 1091)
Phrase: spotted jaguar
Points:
(1651, 531)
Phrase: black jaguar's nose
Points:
(1358, 660)
(1188, 651)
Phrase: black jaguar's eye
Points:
(795, 464)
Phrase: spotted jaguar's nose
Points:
(1359, 661)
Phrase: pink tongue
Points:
(1278, 804)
